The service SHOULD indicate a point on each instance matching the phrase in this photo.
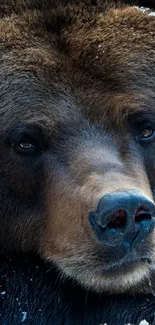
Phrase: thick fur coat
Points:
(77, 123)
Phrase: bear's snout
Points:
(123, 219)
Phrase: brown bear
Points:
(77, 140)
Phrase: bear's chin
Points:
(135, 278)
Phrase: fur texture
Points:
(76, 91)
(34, 294)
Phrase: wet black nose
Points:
(123, 218)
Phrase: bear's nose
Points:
(123, 218)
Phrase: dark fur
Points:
(76, 80)
(31, 287)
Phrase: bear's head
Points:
(77, 139)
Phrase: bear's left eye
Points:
(146, 134)
(26, 140)
(25, 147)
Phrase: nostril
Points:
(123, 219)
(142, 214)
(118, 220)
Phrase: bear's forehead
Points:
(111, 42)
(49, 96)
(115, 42)
(53, 92)
(98, 70)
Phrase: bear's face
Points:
(77, 131)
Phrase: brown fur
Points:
(79, 74)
